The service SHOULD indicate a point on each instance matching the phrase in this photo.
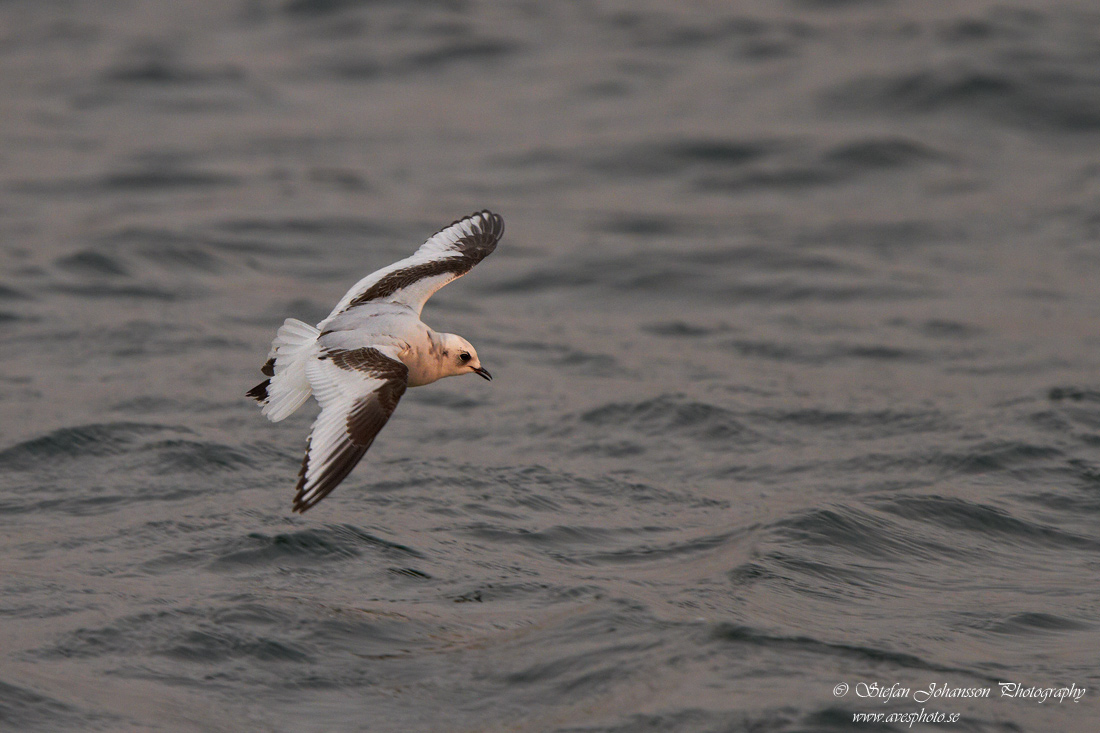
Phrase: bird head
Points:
(460, 357)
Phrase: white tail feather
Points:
(289, 388)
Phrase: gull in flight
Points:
(358, 362)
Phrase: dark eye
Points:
(464, 357)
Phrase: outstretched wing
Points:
(449, 254)
(358, 390)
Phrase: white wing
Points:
(448, 254)
(358, 390)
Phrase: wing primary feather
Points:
(338, 468)
(448, 254)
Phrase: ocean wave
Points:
(674, 415)
(1032, 89)
(95, 440)
(333, 542)
(998, 524)
(23, 708)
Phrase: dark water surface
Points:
(795, 330)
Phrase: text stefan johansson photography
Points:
(1007, 689)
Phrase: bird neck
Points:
(429, 362)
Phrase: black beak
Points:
(484, 373)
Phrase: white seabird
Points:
(358, 362)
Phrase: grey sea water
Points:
(795, 331)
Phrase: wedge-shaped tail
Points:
(288, 386)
